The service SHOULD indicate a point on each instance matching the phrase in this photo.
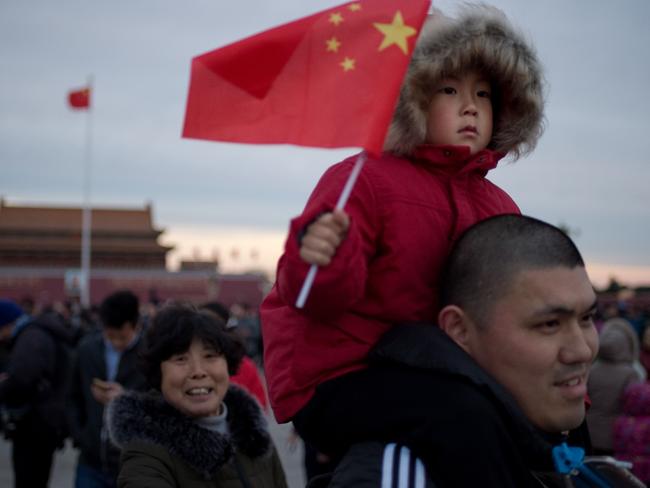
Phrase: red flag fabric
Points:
(327, 80)
(79, 99)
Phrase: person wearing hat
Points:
(10, 312)
(32, 390)
(472, 95)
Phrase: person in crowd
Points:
(617, 367)
(32, 391)
(644, 354)
(632, 430)
(105, 366)
(246, 324)
(487, 395)
(247, 375)
(194, 428)
(473, 93)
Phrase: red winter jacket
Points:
(404, 215)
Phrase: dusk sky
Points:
(590, 171)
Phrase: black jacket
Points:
(38, 370)
(85, 414)
(485, 439)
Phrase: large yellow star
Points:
(395, 33)
(347, 64)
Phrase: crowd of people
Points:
(447, 339)
(123, 389)
(61, 373)
(619, 389)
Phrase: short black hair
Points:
(219, 308)
(119, 308)
(486, 258)
(172, 331)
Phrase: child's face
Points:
(460, 113)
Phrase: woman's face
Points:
(195, 382)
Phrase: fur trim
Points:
(480, 38)
(149, 418)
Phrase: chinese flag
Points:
(327, 80)
(79, 99)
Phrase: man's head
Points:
(518, 300)
(119, 313)
(9, 313)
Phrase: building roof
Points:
(66, 219)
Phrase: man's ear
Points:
(456, 324)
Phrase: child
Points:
(472, 94)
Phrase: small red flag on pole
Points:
(327, 80)
(79, 99)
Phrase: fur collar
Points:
(147, 417)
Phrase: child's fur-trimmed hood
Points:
(147, 417)
(480, 38)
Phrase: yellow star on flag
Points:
(333, 45)
(336, 18)
(347, 64)
(395, 33)
(355, 7)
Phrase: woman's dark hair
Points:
(172, 331)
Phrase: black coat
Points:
(484, 438)
(85, 414)
(38, 370)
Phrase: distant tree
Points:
(614, 286)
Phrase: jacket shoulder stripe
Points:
(387, 466)
(404, 465)
(400, 469)
(419, 474)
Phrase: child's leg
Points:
(385, 403)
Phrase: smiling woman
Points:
(194, 427)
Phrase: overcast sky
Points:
(590, 171)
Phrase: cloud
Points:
(590, 170)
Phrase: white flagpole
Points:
(86, 215)
(343, 199)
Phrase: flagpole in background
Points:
(86, 215)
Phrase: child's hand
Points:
(323, 237)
